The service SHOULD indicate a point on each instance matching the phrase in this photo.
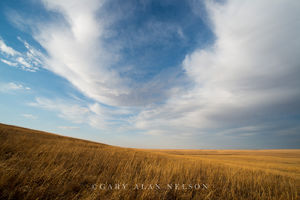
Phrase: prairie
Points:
(40, 165)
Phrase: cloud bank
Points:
(248, 78)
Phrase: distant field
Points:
(278, 161)
(39, 165)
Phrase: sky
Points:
(196, 74)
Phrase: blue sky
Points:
(154, 74)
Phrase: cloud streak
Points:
(11, 86)
(76, 50)
(31, 60)
(7, 50)
(95, 115)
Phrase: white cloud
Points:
(249, 75)
(74, 113)
(11, 86)
(23, 62)
(7, 50)
(77, 52)
(68, 127)
(93, 114)
(31, 60)
(13, 64)
(29, 116)
(15, 86)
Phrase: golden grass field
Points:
(39, 165)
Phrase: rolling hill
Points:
(40, 165)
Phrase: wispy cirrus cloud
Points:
(93, 114)
(13, 64)
(28, 61)
(76, 50)
(7, 50)
(12, 86)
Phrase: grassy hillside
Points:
(39, 165)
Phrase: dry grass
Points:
(38, 165)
